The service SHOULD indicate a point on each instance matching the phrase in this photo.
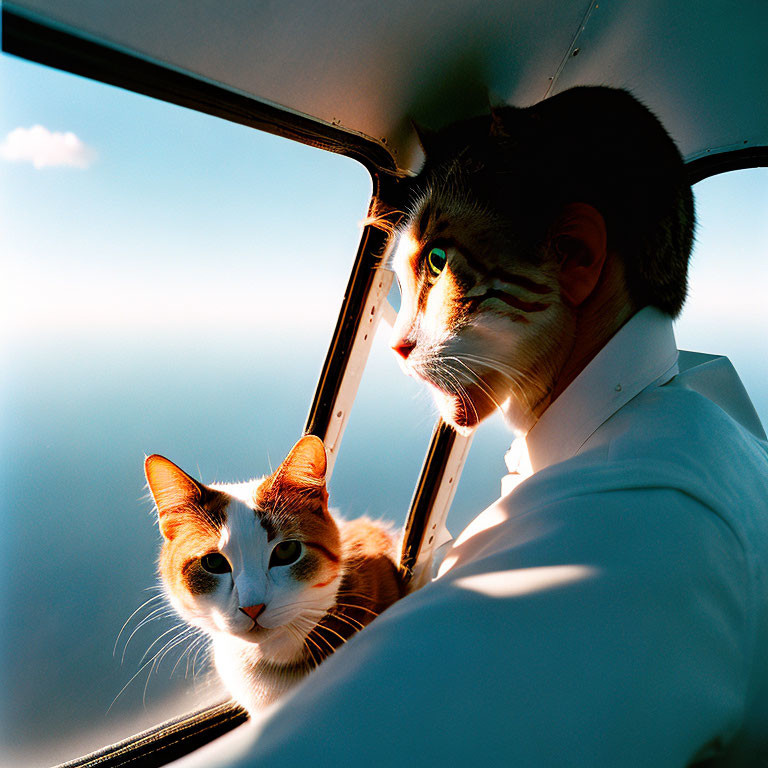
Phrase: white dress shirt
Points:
(609, 610)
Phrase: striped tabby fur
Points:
(495, 324)
(485, 333)
(264, 568)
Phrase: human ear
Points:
(579, 241)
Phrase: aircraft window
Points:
(387, 436)
(170, 284)
(726, 312)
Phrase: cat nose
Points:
(253, 611)
(404, 348)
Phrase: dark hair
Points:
(592, 145)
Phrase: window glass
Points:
(726, 312)
(385, 441)
(170, 285)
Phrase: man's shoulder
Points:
(677, 425)
(666, 438)
(677, 432)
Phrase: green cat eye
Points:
(436, 259)
(215, 563)
(285, 553)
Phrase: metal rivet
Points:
(575, 51)
(618, 387)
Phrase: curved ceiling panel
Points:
(370, 67)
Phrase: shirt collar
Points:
(641, 353)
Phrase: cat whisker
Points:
(184, 655)
(346, 593)
(344, 619)
(296, 604)
(514, 378)
(133, 677)
(157, 659)
(194, 660)
(307, 624)
(324, 639)
(185, 652)
(358, 607)
(297, 635)
(122, 690)
(288, 609)
(200, 645)
(146, 602)
(319, 650)
(156, 614)
(167, 631)
(456, 386)
(169, 646)
(511, 374)
(460, 388)
(189, 635)
(482, 384)
(332, 631)
(505, 369)
(339, 612)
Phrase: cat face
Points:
(481, 326)
(258, 561)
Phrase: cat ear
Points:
(171, 488)
(425, 136)
(498, 119)
(305, 465)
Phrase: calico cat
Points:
(484, 320)
(265, 569)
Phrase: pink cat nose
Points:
(253, 611)
(404, 348)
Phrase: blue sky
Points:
(167, 195)
(167, 189)
(173, 204)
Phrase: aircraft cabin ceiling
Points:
(369, 67)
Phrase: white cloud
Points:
(43, 148)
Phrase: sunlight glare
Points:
(525, 581)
